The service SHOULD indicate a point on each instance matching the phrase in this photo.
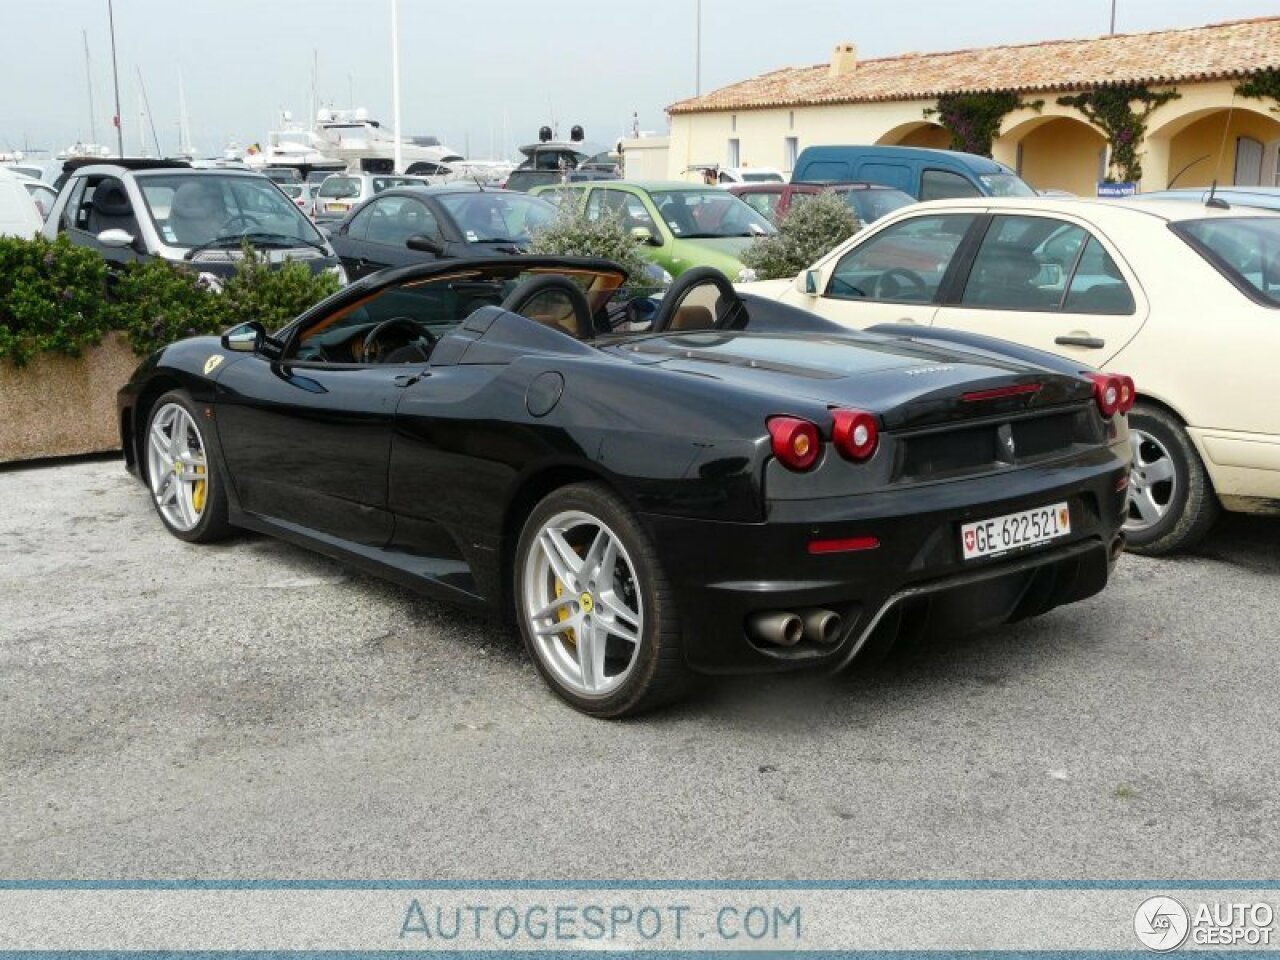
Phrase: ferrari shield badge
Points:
(211, 364)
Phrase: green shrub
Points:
(571, 234)
(56, 297)
(272, 295)
(155, 303)
(52, 298)
(808, 232)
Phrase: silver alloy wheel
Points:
(1153, 481)
(582, 603)
(176, 467)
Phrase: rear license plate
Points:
(1013, 531)
(335, 207)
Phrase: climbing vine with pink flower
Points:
(973, 119)
(1121, 112)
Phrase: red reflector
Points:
(996, 392)
(847, 545)
(1122, 482)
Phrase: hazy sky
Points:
(467, 65)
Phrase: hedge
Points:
(56, 297)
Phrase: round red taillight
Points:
(1107, 390)
(854, 433)
(795, 442)
(1128, 393)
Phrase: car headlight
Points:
(746, 275)
(338, 271)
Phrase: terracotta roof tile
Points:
(1170, 56)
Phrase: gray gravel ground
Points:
(253, 711)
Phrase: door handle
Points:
(1091, 343)
(406, 379)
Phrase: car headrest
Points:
(196, 201)
(111, 200)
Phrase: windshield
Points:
(340, 187)
(1246, 250)
(761, 177)
(194, 209)
(1005, 185)
(487, 217)
(386, 183)
(696, 214)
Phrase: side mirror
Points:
(645, 235)
(245, 338)
(424, 244)
(115, 238)
(807, 283)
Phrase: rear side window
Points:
(1041, 264)
(941, 185)
(826, 171)
(1246, 250)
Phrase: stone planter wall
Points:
(58, 406)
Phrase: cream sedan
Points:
(1182, 297)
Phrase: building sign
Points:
(1117, 189)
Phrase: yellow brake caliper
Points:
(197, 492)
(563, 615)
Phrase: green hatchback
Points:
(682, 225)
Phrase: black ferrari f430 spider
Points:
(654, 488)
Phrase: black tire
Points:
(212, 524)
(1192, 504)
(658, 674)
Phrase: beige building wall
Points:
(1054, 148)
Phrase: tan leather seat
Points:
(692, 316)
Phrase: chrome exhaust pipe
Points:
(777, 627)
(821, 626)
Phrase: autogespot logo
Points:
(1161, 924)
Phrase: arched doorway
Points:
(919, 133)
(1059, 153)
(1237, 145)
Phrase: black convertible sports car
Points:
(708, 482)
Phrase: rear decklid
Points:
(908, 385)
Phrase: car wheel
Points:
(1171, 499)
(595, 609)
(182, 472)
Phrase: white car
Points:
(728, 176)
(19, 216)
(1182, 297)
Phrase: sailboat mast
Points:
(150, 119)
(184, 131)
(88, 76)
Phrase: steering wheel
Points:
(243, 218)
(403, 324)
(730, 319)
(889, 285)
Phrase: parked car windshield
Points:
(194, 209)
(709, 213)
(1005, 185)
(871, 205)
(485, 216)
(340, 188)
(1246, 250)
(749, 177)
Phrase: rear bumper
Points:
(916, 580)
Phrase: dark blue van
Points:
(925, 174)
